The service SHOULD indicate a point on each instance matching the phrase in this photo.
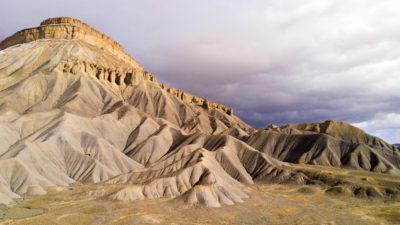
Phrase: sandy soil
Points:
(268, 204)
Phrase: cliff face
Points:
(69, 28)
(128, 76)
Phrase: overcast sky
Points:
(273, 61)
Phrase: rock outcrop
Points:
(69, 28)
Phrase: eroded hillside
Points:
(75, 108)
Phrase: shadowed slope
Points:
(334, 144)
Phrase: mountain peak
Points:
(69, 28)
(63, 19)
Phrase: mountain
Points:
(331, 143)
(76, 108)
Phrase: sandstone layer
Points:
(69, 28)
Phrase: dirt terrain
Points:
(267, 204)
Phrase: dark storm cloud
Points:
(273, 61)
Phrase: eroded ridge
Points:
(69, 28)
(123, 77)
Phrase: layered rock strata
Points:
(69, 28)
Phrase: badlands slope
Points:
(75, 108)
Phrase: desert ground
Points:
(268, 204)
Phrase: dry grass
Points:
(268, 204)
